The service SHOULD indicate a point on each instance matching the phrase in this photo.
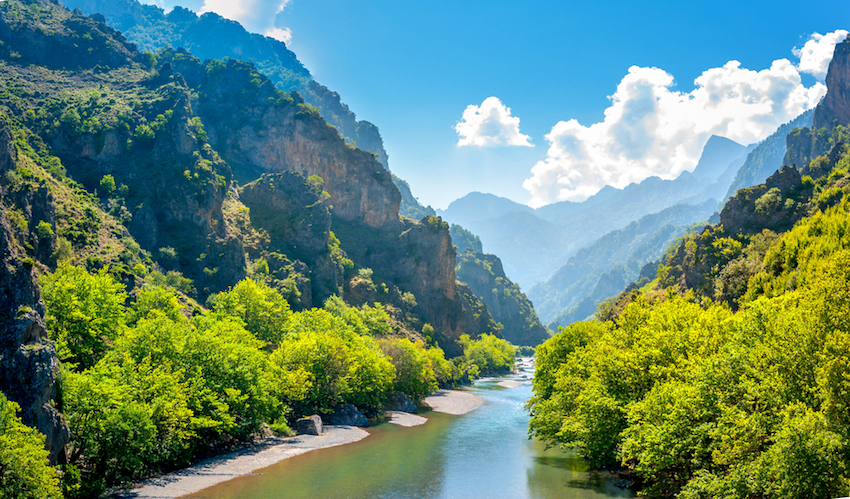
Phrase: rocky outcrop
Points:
(756, 208)
(298, 221)
(28, 363)
(505, 301)
(399, 401)
(806, 144)
(259, 129)
(834, 109)
(416, 257)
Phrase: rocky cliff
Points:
(834, 109)
(831, 116)
(28, 364)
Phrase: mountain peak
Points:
(716, 156)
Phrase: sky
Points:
(543, 101)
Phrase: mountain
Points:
(768, 156)
(505, 302)
(534, 244)
(604, 268)
(160, 140)
(211, 36)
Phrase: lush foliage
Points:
(24, 472)
(703, 402)
(491, 355)
(151, 388)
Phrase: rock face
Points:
(28, 362)
(742, 213)
(804, 145)
(273, 132)
(834, 109)
(311, 425)
(298, 221)
(505, 301)
(347, 414)
(417, 257)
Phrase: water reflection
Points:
(484, 454)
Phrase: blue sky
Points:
(413, 68)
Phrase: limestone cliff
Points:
(298, 221)
(834, 109)
(806, 144)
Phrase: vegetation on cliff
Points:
(505, 301)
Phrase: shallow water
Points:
(483, 454)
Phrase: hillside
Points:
(211, 36)
(604, 268)
(505, 301)
(725, 372)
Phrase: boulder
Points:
(399, 401)
(311, 425)
(347, 414)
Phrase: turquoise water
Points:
(483, 454)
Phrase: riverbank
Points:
(272, 450)
(243, 462)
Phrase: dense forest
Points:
(147, 388)
(725, 375)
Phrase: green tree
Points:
(414, 372)
(263, 309)
(85, 312)
(24, 470)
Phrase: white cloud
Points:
(281, 34)
(490, 124)
(817, 52)
(257, 16)
(650, 129)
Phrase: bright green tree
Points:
(85, 312)
(24, 470)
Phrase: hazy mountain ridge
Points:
(534, 244)
(627, 249)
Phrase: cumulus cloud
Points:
(255, 15)
(817, 52)
(650, 129)
(490, 124)
(281, 34)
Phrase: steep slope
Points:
(605, 267)
(768, 156)
(211, 36)
(505, 302)
(29, 368)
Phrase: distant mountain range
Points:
(571, 256)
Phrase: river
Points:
(483, 454)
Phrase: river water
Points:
(483, 454)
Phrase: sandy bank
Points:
(509, 383)
(222, 468)
(453, 401)
(405, 419)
